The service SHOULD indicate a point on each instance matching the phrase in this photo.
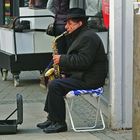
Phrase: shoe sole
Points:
(40, 127)
(55, 131)
(43, 126)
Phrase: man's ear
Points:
(80, 23)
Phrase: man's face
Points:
(72, 26)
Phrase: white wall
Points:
(121, 58)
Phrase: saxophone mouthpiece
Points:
(65, 33)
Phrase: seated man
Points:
(86, 64)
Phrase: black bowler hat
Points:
(76, 13)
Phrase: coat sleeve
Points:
(82, 57)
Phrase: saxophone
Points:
(54, 72)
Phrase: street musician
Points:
(86, 64)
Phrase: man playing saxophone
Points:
(86, 64)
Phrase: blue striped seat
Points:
(94, 92)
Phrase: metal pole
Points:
(11, 8)
(15, 8)
(1, 12)
(136, 79)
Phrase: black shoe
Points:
(44, 124)
(55, 128)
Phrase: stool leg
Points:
(87, 129)
(99, 114)
(102, 119)
(97, 110)
(70, 115)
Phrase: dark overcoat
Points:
(85, 59)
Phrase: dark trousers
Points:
(57, 89)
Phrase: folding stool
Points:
(95, 93)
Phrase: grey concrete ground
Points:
(33, 98)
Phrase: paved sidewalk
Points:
(34, 97)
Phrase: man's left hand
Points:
(56, 59)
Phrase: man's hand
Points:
(56, 59)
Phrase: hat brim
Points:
(75, 17)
